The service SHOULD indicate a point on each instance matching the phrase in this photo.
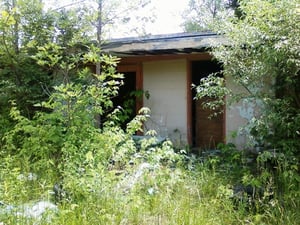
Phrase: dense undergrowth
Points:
(95, 175)
(154, 185)
(72, 153)
(151, 184)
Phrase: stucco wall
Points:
(238, 115)
(166, 83)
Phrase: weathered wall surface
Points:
(166, 83)
(238, 115)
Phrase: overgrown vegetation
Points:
(262, 67)
(68, 150)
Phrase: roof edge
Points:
(160, 37)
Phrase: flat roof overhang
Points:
(170, 44)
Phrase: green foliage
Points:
(26, 30)
(59, 136)
(202, 14)
(125, 113)
(40, 49)
(213, 87)
(105, 176)
(109, 17)
(262, 61)
(164, 195)
(23, 26)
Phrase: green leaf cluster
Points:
(262, 60)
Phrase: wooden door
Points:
(209, 130)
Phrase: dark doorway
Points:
(206, 132)
(126, 99)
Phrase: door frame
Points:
(138, 70)
(189, 61)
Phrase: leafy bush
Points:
(262, 60)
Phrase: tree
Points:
(261, 67)
(263, 58)
(60, 132)
(202, 14)
(109, 17)
(28, 31)
(103, 17)
(23, 25)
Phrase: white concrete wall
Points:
(166, 83)
(238, 115)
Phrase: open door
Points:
(206, 132)
(127, 97)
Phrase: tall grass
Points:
(163, 196)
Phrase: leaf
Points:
(89, 156)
